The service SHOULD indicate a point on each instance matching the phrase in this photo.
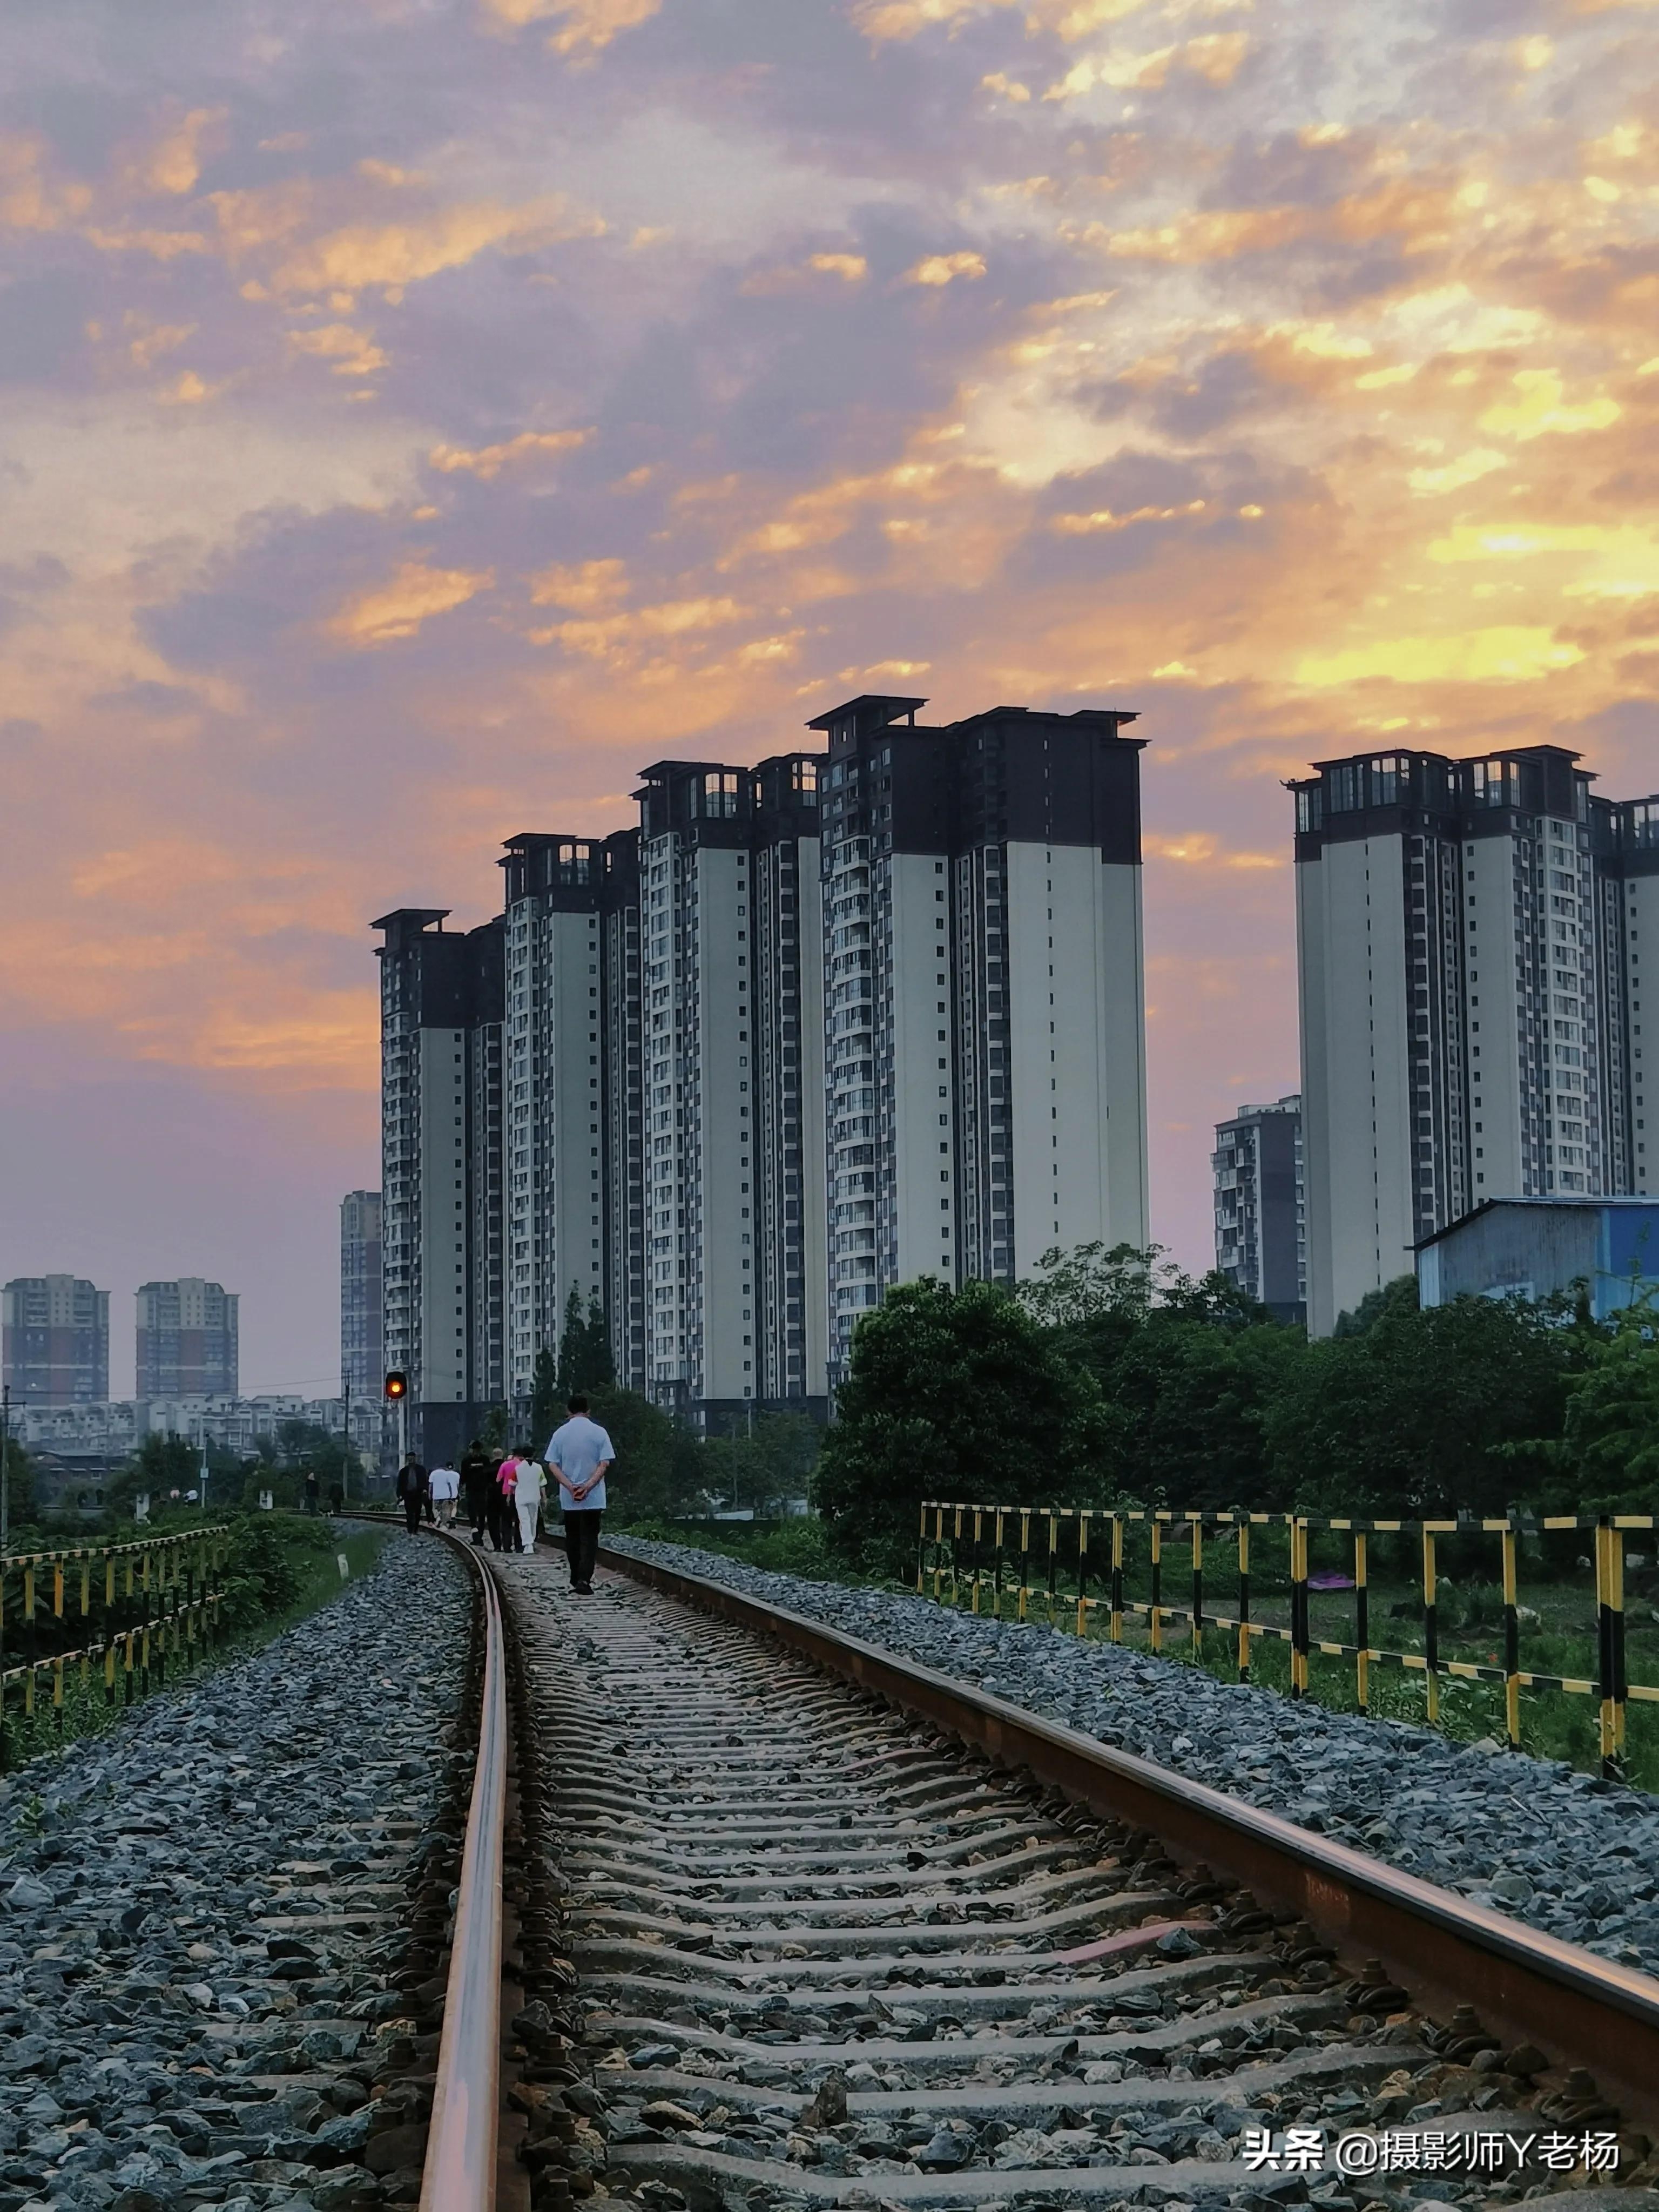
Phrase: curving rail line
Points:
(1582, 2011)
(460, 2174)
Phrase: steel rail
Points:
(462, 2143)
(1585, 2010)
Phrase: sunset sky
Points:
(416, 415)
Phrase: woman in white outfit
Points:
(528, 1484)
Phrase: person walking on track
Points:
(411, 1490)
(528, 1484)
(445, 1484)
(579, 1455)
(478, 1480)
(507, 1477)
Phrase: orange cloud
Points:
(582, 588)
(1543, 408)
(1514, 656)
(945, 267)
(415, 594)
(599, 639)
(388, 257)
(488, 461)
(589, 26)
(348, 352)
(29, 198)
(172, 165)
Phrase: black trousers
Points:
(582, 1541)
(412, 1514)
(478, 1510)
(502, 1520)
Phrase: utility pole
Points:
(201, 1479)
(5, 1468)
(345, 1464)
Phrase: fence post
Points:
(1362, 1624)
(956, 1545)
(996, 1568)
(1054, 1561)
(1024, 1562)
(939, 1546)
(1430, 1629)
(1198, 1588)
(1155, 1616)
(1081, 1574)
(1117, 1579)
(1610, 1622)
(921, 1547)
(1511, 1640)
(976, 1558)
(1243, 1600)
(1298, 1606)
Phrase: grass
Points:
(796, 1547)
(283, 1568)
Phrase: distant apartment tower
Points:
(56, 1332)
(984, 1010)
(733, 1189)
(363, 1348)
(442, 1008)
(1258, 1240)
(561, 1149)
(187, 1344)
(1470, 941)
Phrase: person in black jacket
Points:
(411, 1489)
(477, 1487)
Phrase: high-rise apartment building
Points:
(1470, 936)
(1260, 1243)
(560, 892)
(56, 1340)
(731, 1061)
(362, 1346)
(441, 1020)
(187, 1343)
(985, 1055)
(815, 1027)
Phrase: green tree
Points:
(584, 1363)
(1608, 1455)
(1186, 1368)
(1429, 1410)
(952, 1394)
(546, 1402)
(19, 1477)
(646, 1481)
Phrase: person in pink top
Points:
(506, 1518)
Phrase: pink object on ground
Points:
(1127, 1938)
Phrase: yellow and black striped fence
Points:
(120, 1610)
(1075, 1562)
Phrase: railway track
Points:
(791, 1922)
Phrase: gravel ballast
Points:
(1563, 1852)
(195, 1945)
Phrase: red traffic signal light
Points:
(397, 1384)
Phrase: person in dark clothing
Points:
(335, 1497)
(477, 1482)
(411, 1490)
(313, 1492)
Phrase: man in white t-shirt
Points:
(443, 1488)
(578, 1455)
